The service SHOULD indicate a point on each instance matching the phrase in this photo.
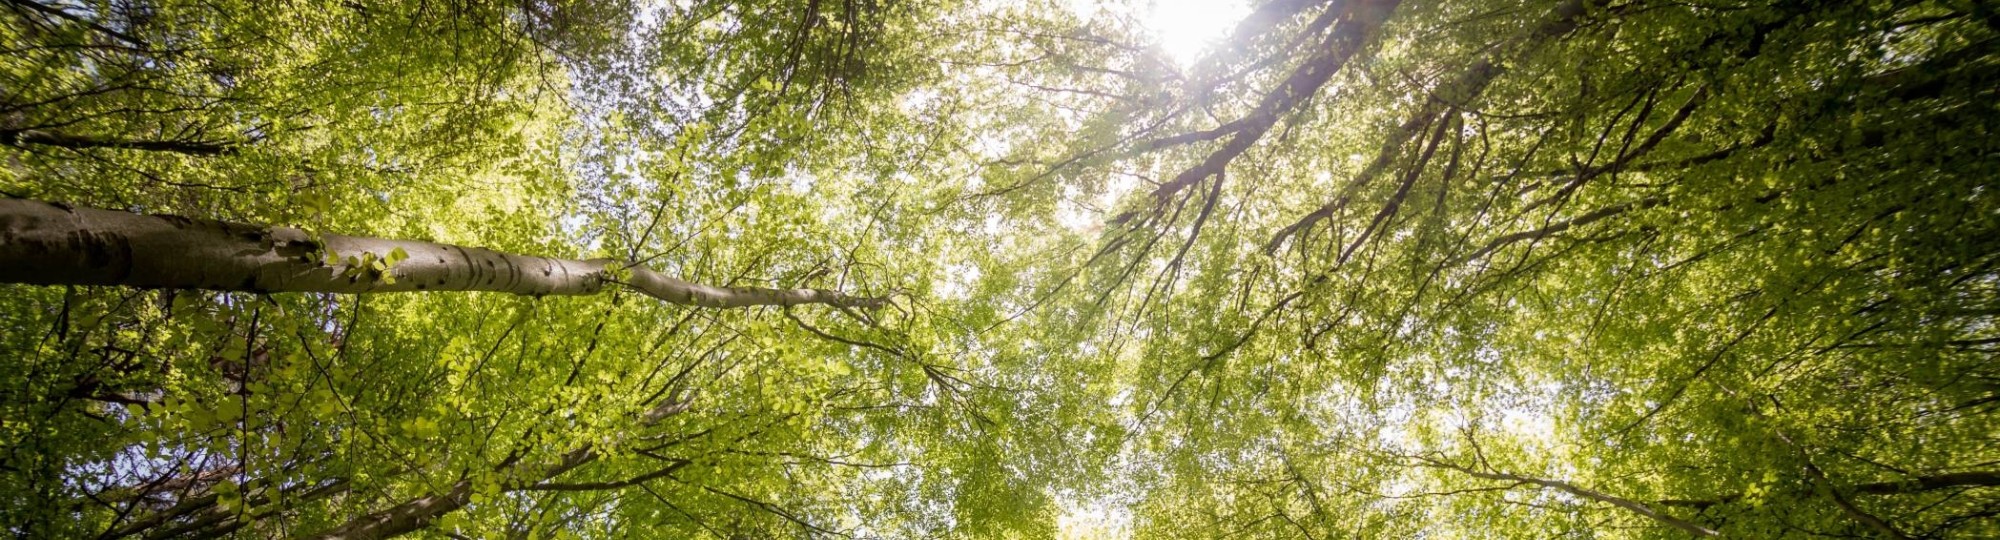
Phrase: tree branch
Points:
(52, 244)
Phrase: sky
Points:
(1185, 28)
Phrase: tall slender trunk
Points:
(1461, 90)
(78, 142)
(1354, 27)
(52, 244)
(420, 512)
(1599, 496)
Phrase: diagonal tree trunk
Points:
(52, 244)
(76, 142)
(1913, 484)
(1355, 26)
(1459, 91)
(420, 512)
(1599, 496)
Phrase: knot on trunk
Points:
(290, 242)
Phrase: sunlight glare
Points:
(1187, 28)
(1093, 520)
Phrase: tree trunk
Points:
(1621, 502)
(74, 142)
(1355, 26)
(1447, 97)
(52, 244)
(420, 512)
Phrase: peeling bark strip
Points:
(51, 244)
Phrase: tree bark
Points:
(1355, 26)
(52, 244)
(74, 142)
(1916, 484)
(420, 512)
(1621, 502)
(1451, 95)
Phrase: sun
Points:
(1186, 29)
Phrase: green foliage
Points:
(1518, 269)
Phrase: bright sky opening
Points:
(1188, 28)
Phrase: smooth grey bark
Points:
(52, 244)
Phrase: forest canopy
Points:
(1313, 269)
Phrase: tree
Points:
(1594, 268)
(58, 245)
(519, 127)
(1561, 267)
